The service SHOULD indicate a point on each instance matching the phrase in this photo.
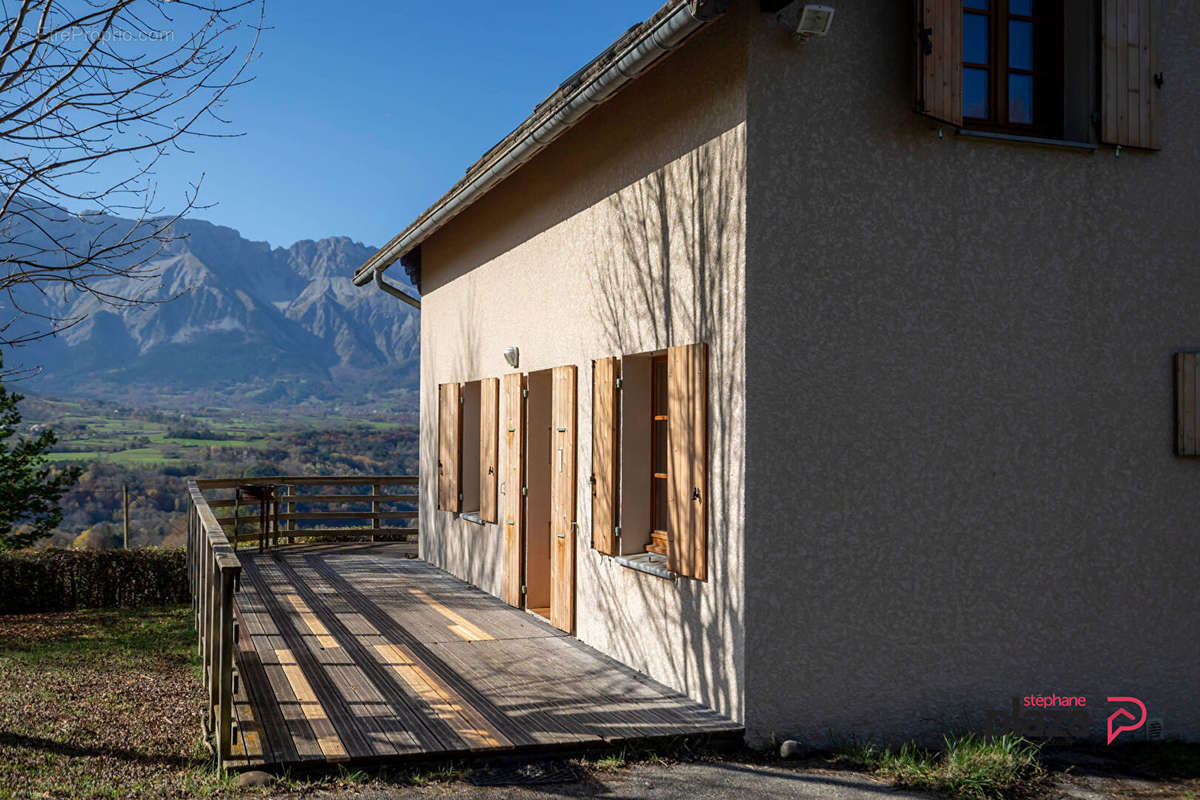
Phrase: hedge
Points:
(60, 580)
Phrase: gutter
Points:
(651, 45)
(395, 291)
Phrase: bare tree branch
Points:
(89, 90)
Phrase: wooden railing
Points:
(334, 510)
(214, 571)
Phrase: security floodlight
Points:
(512, 355)
(815, 20)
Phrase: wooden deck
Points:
(354, 653)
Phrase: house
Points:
(841, 382)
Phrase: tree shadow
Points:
(44, 745)
(670, 270)
(463, 548)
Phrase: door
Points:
(562, 499)
(512, 438)
(539, 444)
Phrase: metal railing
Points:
(214, 570)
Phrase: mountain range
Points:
(230, 321)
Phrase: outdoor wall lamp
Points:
(806, 19)
(512, 355)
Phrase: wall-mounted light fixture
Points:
(806, 19)
(512, 355)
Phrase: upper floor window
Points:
(1012, 65)
(1076, 71)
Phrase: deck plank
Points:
(424, 725)
(351, 652)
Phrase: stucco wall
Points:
(625, 236)
(960, 480)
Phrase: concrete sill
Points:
(1035, 140)
(649, 563)
(472, 516)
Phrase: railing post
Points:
(187, 553)
(289, 508)
(224, 663)
(376, 489)
(210, 646)
(202, 591)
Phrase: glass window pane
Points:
(660, 387)
(1020, 99)
(975, 93)
(1020, 44)
(660, 447)
(661, 512)
(1033, 8)
(982, 5)
(975, 38)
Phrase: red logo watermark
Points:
(1064, 718)
(1123, 713)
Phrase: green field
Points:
(89, 431)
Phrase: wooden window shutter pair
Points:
(1131, 110)
(449, 446)
(450, 433)
(687, 460)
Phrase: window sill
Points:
(1034, 140)
(472, 516)
(649, 563)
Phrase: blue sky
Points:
(360, 118)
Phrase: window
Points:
(650, 460)
(449, 446)
(467, 447)
(1012, 58)
(659, 522)
(1076, 71)
(469, 444)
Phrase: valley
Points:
(153, 451)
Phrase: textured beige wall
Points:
(960, 481)
(626, 235)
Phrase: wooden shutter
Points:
(562, 499)
(449, 445)
(1186, 443)
(687, 464)
(939, 59)
(511, 503)
(489, 413)
(604, 454)
(1130, 104)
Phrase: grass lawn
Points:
(102, 704)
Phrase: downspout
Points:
(668, 33)
(394, 290)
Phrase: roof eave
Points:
(661, 34)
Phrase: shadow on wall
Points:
(670, 271)
(459, 553)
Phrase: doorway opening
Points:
(538, 447)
